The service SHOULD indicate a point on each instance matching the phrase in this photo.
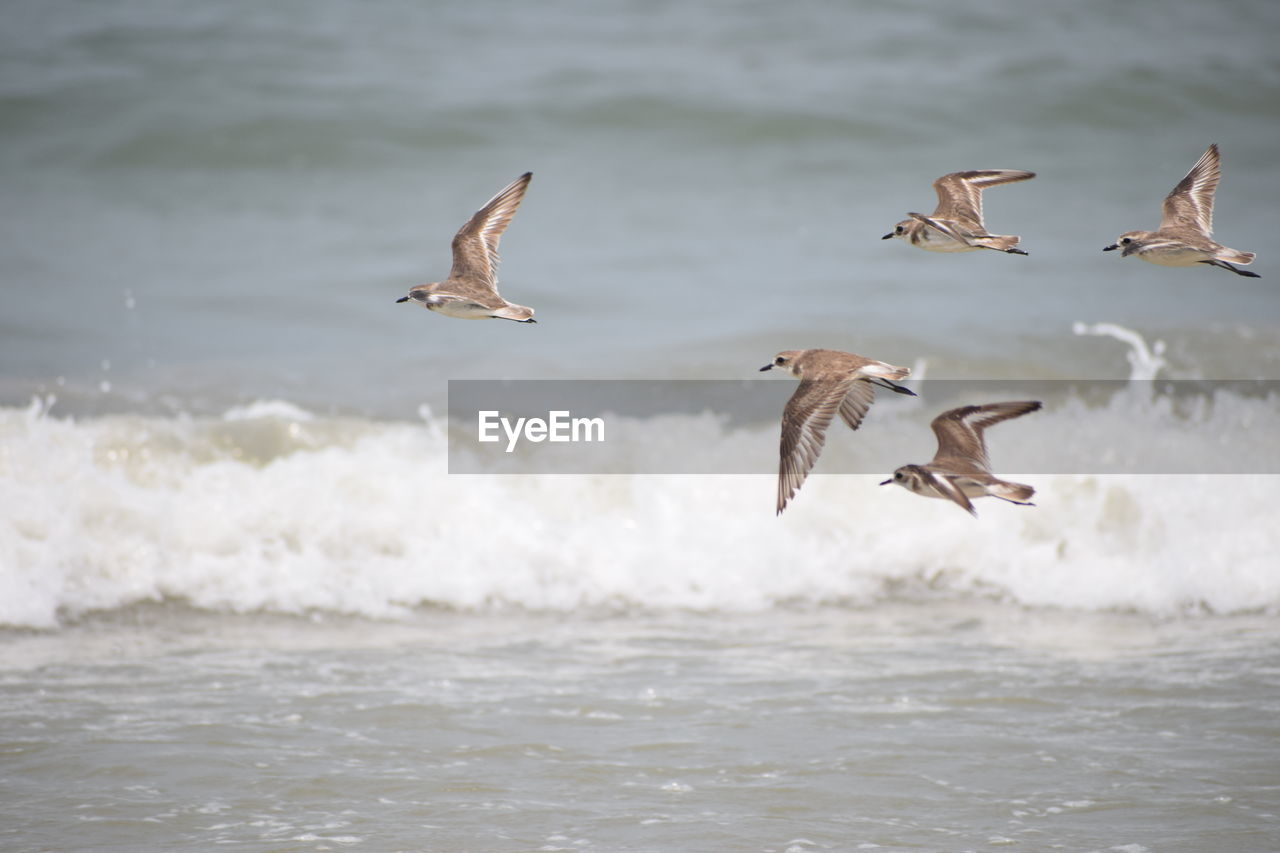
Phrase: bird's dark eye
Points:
(897, 475)
(1125, 241)
(899, 230)
(779, 361)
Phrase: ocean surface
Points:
(244, 603)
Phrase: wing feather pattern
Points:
(1191, 201)
(804, 427)
(960, 193)
(960, 431)
(475, 246)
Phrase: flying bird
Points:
(956, 224)
(830, 381)
(471, 290)
(961, 470)
(1185, 235)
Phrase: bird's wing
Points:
(1191, 201)
(475, 246)
(804, 426)
(959, 431)
(960, 193)
(853, 408)
(946, 227)
(948, 488)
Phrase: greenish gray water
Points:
(920, 724)
(211, 205)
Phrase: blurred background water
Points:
(227, 534)
(208, 204)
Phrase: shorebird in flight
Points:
(960, 470)
(1185, 235)
(471, 290)
(830, 381)
(956, 224)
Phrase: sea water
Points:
(244, 602)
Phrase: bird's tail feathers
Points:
(519, 313)
(1000, 242)
(1015, 492)
(887, 371)
(1234, 256)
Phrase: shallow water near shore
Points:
(917, 723)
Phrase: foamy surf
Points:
(273, 508)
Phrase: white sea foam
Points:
(290, 512)
(267, 409)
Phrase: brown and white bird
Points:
(956, 224)
(830, 381)
(960, 470)
(471, 290)
(1185, 235)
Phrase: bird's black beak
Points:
(1112, 247)
(766, 367)
(887, 482)
(403, 299)
(887, 236)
